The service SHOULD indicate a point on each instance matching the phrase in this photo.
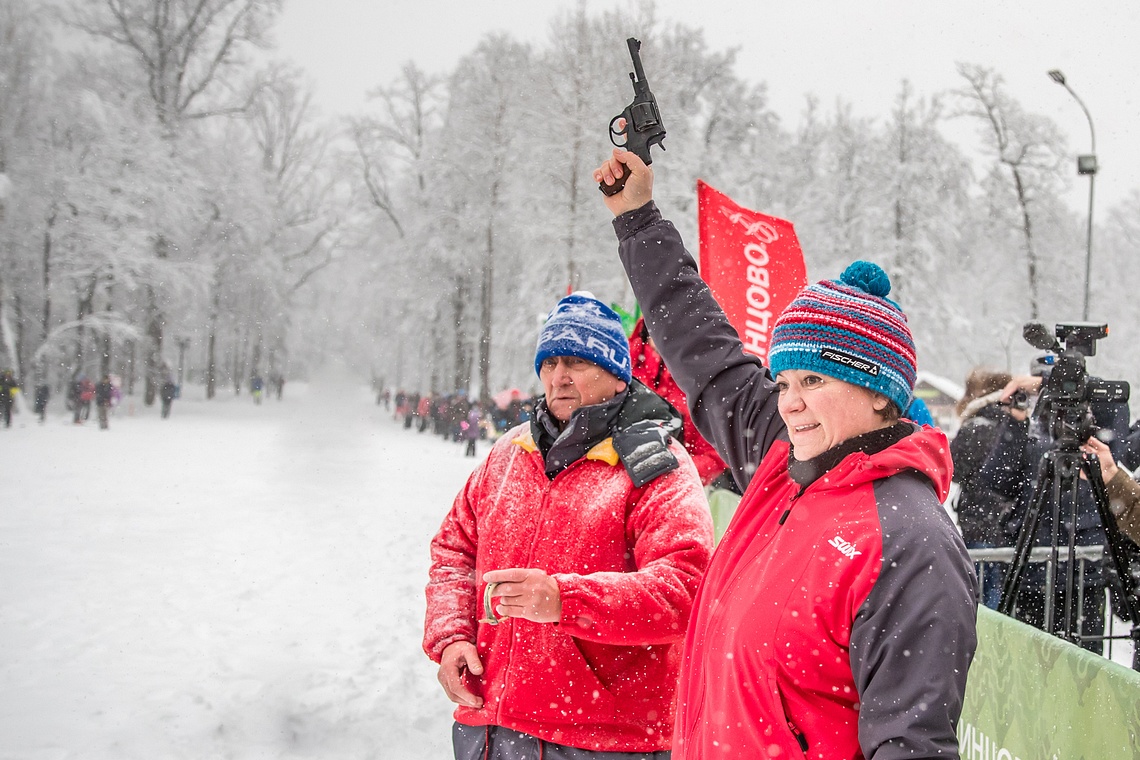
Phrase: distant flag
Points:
(752, 263)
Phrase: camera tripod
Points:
(1060, 477)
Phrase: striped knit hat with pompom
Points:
(848, 329)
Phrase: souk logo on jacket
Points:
(846, 548)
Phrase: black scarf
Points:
(810, 470)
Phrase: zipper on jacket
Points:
(791, 502)
(800, 738)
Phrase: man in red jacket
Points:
(589, 529)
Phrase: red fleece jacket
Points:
(627, 561)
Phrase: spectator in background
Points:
(423, 411)
(721, 490)
(168, 393)
(471, 429)
(8, 390)
(83, 392)
(43, 393)
(649, 368)
(919, 412)
(104, 397)
(980, 509)
(256, 387)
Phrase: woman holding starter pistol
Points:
(837, 616)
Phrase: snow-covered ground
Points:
(237, 581)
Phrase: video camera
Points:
(1067, 390)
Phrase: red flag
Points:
(752, 263)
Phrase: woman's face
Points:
(821, 411)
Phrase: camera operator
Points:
(1011, 469)
(980, 511)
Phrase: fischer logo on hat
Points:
(581, 325)
(850, 330)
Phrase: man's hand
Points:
(638, 188)
(460, 656)
(527, 592)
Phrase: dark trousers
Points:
(470, 452)
(498, 743)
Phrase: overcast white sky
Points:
(859, 51)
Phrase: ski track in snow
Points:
(237, 581)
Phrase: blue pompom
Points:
(868, 277)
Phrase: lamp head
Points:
(1057, 76)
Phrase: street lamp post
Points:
(1085, 165)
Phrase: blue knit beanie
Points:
(849, 329)
(581, 325)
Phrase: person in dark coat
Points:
(8, 389)
(980, 509)
(104, 394)
(43, 392)
(168, 393)
(471, 430)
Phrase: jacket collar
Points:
(923, 450)
(810, 470)
(589, 429)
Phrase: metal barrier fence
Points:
(1084, 555)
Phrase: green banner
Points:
(1032, 696)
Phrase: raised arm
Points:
(730, 395)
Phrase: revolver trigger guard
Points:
(614, 132)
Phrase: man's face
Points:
(571, 383)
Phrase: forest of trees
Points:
(171, 202)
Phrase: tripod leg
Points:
(1025, 536)
(1070, 484)
(1060, 473)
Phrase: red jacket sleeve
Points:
(451, 602)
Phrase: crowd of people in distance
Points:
(455, 416)
(104, 394)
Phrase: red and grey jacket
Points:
(837, 619)
(627, 559)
